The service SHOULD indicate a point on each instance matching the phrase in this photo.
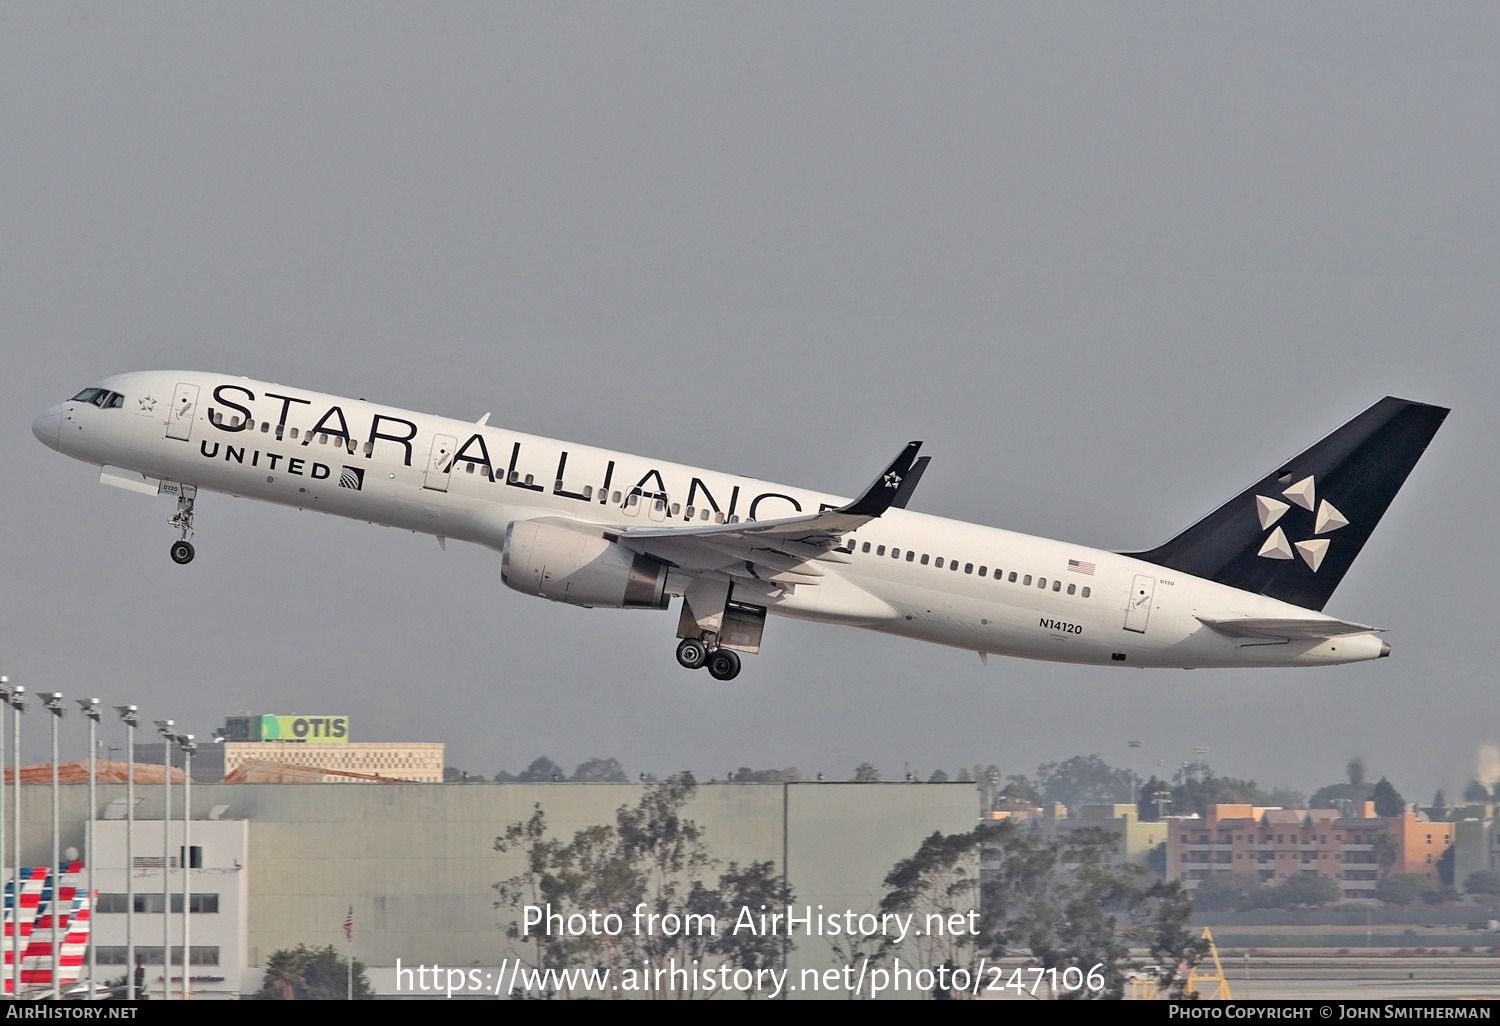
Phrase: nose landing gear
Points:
(721, 663)
(182, 550)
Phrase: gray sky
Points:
(1111, 262)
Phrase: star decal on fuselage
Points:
(1326, 518)
(148, 403)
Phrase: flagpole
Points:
(349, 937)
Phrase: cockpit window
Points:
(101, 397)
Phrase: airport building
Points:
(1134, 839)
(274, 866)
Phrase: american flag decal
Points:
(1080, 567)
(349, 925)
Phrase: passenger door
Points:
(1138, 606)
(439, 463)
(184, 408)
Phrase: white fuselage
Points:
(996, 591)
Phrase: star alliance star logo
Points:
(1326, 519)
(147, 403)
(892, 479)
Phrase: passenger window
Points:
(265, 426)
(529, 483)
(863, 548)
(588, 493)
(615, 499)
(634, 498)
(468, 469)
(1041, 582)
(1071, 588)
(1026, 580)
(323, 440)
(1085, 591)
(719, 519)
(689, 514)
(981, 574)
(703, 515)
(924, 563)
(294, 432)
(879, 551)
(936, 562)
(910, 555)
(675, 507)
(968, 569)
(1056, 585)
(1012, 577)
(895, 553)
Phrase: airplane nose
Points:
(47, 425)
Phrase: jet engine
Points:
(581, 569)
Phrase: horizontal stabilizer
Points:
(1291, 630)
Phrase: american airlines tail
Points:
(593, 527)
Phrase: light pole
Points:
(90, 707)
(53, 701)
(128, 713)
(1133, 746)
(5, 698)
(164, 728)
(18, 704)
(185, 743)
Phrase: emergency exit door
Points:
(1138, 608)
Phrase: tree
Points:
(1304, 890)
(541, 771)
(1356, 771)
(1483, 884)
(1226, 892)
(600, 770)
(746, 775)
(1388, 801)
(755, 887)
(866, 773)
(1386, 850)
(312, 974)
(938, 777)
(1020, 792)
(1083, 780)
(1439, 809)
(1400, 888)
(1287, 798)
(1445, 866)
(1146, 806)
(1476, 792)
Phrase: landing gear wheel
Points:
(723, 665)
(692, 654)
(182, 551)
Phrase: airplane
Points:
(1245, 586)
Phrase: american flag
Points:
(1080, 567)
(349, 925)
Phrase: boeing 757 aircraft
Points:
(1245, 586)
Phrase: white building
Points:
(217, 880)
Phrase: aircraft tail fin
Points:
(1294, 534)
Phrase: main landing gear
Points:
(182, 550)
(722, 664)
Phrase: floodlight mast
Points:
(164, 728)
(90, 707)
(186, 745)
(17, 702)
(53, 701)
(130, 715)
(5, 695)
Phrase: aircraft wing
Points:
(1291, 630)
(780, 551)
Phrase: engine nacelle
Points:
(581, 569)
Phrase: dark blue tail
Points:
(1295, 533)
